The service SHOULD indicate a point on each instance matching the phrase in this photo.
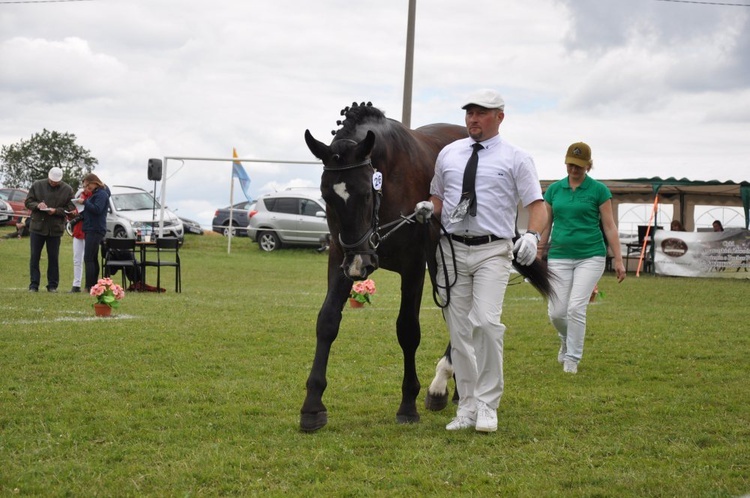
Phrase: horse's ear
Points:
(365, 146)
(319, 149)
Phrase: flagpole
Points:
(231, 212)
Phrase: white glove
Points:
(423, 211)
(525, 249)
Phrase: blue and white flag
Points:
(238, 171)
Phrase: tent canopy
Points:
(683, 194)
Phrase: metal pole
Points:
(409, 67)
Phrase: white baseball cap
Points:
(55, 174)
(486, 98)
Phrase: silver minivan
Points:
(292, 217)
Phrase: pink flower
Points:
(362, 290)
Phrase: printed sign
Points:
(703, 254)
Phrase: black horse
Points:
(375, 171)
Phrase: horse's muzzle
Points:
(359, 266)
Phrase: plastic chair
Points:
(119, 254)
(167, 254)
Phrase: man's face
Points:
(53, 184)
(483, 123)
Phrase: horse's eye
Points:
(335, 157)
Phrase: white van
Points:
(131, 208)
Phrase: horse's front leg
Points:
(409, 335)
(313, 413)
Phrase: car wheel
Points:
(268, 241)
(120, 233)
(227, 228)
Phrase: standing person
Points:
(94, 224)
(676, 226)
(48, 200)
(476, 189)
(576, 206)
(79, 245)
(718, 227)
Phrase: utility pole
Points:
(409, 69)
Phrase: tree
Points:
(29, 160)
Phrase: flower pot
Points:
(355, 304)
(102, 309)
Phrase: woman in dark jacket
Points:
(94, 224)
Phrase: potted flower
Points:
(108, 295)
(361, 292)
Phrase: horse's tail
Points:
(539, 275)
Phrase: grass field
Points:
(198, 394)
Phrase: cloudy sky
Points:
(657, 88)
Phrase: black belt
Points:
(476, 241)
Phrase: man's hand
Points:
(423, 211)
(525, 249)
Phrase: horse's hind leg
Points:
(437, 393)
(409, 335)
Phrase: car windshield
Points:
(134, 202)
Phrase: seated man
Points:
(22, 229)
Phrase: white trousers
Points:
(575, 281)
(78, 245)
(473, 319)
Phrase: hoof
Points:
(311, 422)
(436, 403)
(407, 419)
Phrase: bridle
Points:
(373, 234)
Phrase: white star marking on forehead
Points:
(340, 189)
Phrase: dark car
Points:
(239, 212)
(16, 198)
(191, 226)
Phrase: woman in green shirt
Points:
(578, 206)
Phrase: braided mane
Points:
(356, 115)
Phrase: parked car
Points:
(191, 226)
(132, 208)
(16, 198)
(292, 217)
(239, 211)
(6, 213)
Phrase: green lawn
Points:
(198, 394)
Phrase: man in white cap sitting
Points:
(48, 200)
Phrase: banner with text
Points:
(703, 254)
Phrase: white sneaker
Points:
(461, 422)
(561, 353)
(570, 367)
(486, 418)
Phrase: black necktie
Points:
(470, 176)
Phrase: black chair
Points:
(635, 250)
(119, 254)
(167, 254)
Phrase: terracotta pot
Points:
(102, 309)
(355, 304)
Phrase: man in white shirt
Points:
(479, 213)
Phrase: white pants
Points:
(575, 281)
(78, 245)
(473, 319)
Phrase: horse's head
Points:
(351, 188)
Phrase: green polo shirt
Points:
(575, 219)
